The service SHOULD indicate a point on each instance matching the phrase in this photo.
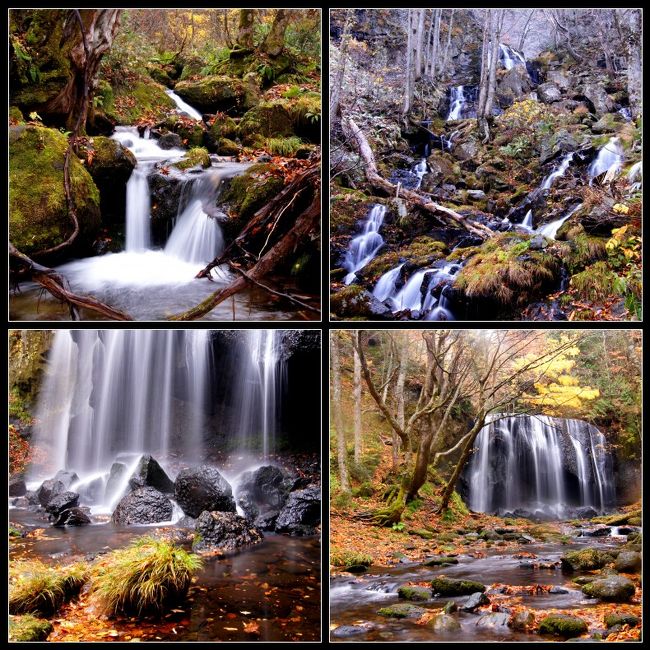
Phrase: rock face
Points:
(17, 487)
(38, 211)
(224, 530)
(262, 494)
(202, 488)
(301, 513)
(150, 473)
(142, 506)
(62, 501)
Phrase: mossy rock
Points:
(563, 626)
(192, 136)
(421, 532)
(596, 283)
(195, 157)
(621, 619)
(15, 114)
(222, 127)
(444, 623)
(228, 147)
(350, 558)
(356, 302)
(414, 593)
(449, 587)
(38, 211)
(615, 589)
(587, 559)
(402, 610)
(216, 93)
(142, 99)
(267, 119)
(347, 208)
(440, 560)
(28, 628)
(160, 74)
(240, 64)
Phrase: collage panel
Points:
(485, 485)
(162, 487)
(164, 164)
(485, 164)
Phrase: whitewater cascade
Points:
(456, 103)
(510, 57)
(540, 464)
(559, 172)
(184, 107)
(610, 159)
(365, 246)
(550, 229)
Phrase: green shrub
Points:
(28, 628)
(350, 558)
(282, 146)
(149, 575)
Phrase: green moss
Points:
(134, 102)
(441, 560)
(216, 93)
(401, 610)
(267, 119)
(228, 147)
(223, 127)
(282, 146)
(421, 532)
(585, 560)
(28, 628)
(448, 587)
(350, 302)
(597, 282)
(621, 619)
(350, 558)
(195, 156)
(15, 115)
(347, 207)
(563, 626)
(38, 212)
(414, 593)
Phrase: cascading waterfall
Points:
(610, 159)
(184, 107)
(138, 208)
(549, 230)
(456, 103)
(365, 246)
(385, 286)
(510, 57)
(528, 220)
(540, 464)
(559, 172)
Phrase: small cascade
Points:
(510, 57)
(625, 113)
(365, 246)
(635, 174)
(540, 464)
(184, 107)
(528, 220)
(559, 172)
(456, 103)
(144, 149)
(410, 296)
(385, 286)
(550, 229)
(197, 237)
(610, 159)
(420, 169)
(138, 208)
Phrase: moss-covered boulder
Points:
(356, 302)
(216, 93)
(38, 211)
(347, 207)
(587, 559)
(195, 157)
(228, 148)
(408, 592)
(621, 618)
(563, 626)
(15, 115)
(222, 127)
(444, 623)
(28, 628)
(440, 560)
(402, 610)
(449, 587)
(628, 562)
(615, 589)
(142, 99)
(110, 164)
(267, 119)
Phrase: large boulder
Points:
(301, 513)
(150, 473)
(71, 517)
(17, 486)
(451, 587)
(549, 93)
(48, 490)
(170, 141)
(217, 93)
(262, 494)
(616, 589)
(142, 506)
(270, 119)
(202, 488)
(444, 623)
(38, 210)
(563, 626)
(587, 559)
(63, 501)
(597, 95)
(225, 531)
(628, 562)
(66, 477)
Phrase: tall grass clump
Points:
(36, 588)
(148, 576)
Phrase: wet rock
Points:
(72, 517)
(17, 487)
(262, 494)
(628, 562)
(440, 560)
(66, 477)
(402, 610)
(200, 489)
(224, 530)
(476, 195)
(562, 625)
(48, 490)
(414, 593)
(449, 587)
(601, 531)
(450, 607)
(538, 243)
(585, 560)
(522, 620)
(62, 501)
(586, 513)
(493, 619)
(616, 589)
(444, 623)
(93, 491)
(142, 506)
(186, 522)
(170, 141)
(118, 470)
(621, 618)
(355, 301)
(558, 590)
(347, 631)
(475, 601)
(301, 513)
(149, 473)
(549, 93)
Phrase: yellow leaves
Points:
(620, 208)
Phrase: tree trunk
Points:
(226, 29)
(492, 80)
(435, 52)
(419, 41)
(419, 477)
(245, 30)
(339, 77)
(399, 392)
(357, 404)
(336, 408)
(408, 82)
(634, 64)
(274, 41)
(524, 33)
(485, 73)
(450, 26)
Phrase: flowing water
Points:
(365, 246)
(610, 159)
(550, 229)
(456, 103)
(539, 464)
(559, 172)
(510, 57)
(184, 107)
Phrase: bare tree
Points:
(336, 409)
(408, 85)
(357, 402)
(419, 41)
(337, 83)
(525, 30)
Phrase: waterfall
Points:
(559, 172)
(138, 208)
(456, 102)
(420, 169)
(510, 57)
(184, 107)
(410, 296)
(540, 464)
(528, 220)
(365, 246)
(196, 237)
(263, 374)
(385, 286)
(550, 229)
(609, 159)
(115, 392)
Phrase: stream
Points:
(354, 601)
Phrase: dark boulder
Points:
(301, 513)
(450, 587)
(63, 501)
(66, 477)
(170, 141)
(262, 494)
(149, 473)
(475, 601)
(224, 530)
(143, 506)
(586, 512)
(17, 487)
(93, 491)
(71, 517)
(202, 488)
(49, 489)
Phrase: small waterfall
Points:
(559, 172)
(196, 238)
(540, 464)
(184, 107)
(385, 286)
(420, 169)
(528, 220)
(635, 174)
(456, 103)
(610, 159)
(550, 229)
(138, 209)
(144, 149)
(410, 296)
(365, 246)
(510, 57)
